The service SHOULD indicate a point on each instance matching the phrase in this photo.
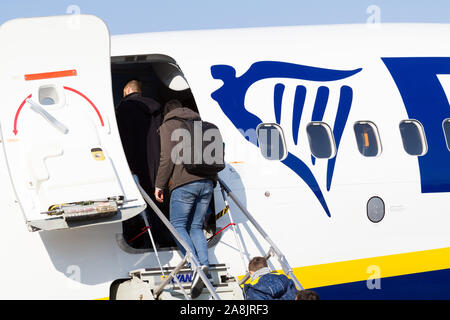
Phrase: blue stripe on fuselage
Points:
(426, 285)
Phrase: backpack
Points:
(206, 156)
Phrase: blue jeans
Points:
(188, 207)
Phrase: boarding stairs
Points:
(173, 283)
(148, 284)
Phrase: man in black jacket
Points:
(138, 119)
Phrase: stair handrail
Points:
(189, 255)
(273, 248)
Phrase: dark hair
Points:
(171, 105)
(307, 295)
(257, 263)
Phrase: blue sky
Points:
(134, 16)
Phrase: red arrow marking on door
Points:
(91, 103)
(17, 113)
(67, 88)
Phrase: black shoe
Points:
(197, 283)
(210, 278)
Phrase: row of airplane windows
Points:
(322, 144)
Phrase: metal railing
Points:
(188, 257)
(273, 251)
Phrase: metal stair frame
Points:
(189, 255)
(273, 251)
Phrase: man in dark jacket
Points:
(138, 119)
(190, 194)
(266, 285)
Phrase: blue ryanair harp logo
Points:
(231, 97)
(426, 101)
(418, 83)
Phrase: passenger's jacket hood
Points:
(184, 113)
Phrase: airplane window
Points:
(413, 137)
(321, 140)
(367, 138)
(375, 209)
(446, 127)
(271, 141)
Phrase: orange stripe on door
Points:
(50, 75)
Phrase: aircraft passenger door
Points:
(58, 127)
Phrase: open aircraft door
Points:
(58, 127)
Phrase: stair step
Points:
(144, 281)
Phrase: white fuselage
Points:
(82, 263)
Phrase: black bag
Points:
(206, 147)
